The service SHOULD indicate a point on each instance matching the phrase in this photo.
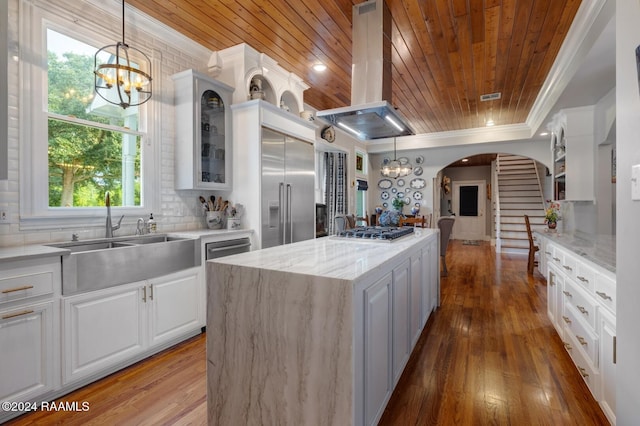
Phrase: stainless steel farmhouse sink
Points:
(97, 264)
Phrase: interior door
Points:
(469, 207)
(273, 189)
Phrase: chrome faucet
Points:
(141, 226)
(109, 227)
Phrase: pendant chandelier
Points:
(395, 168)
(120, 81)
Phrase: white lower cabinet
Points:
(555, 288)
(377, 348)
(174, 306)
(26, 339)
(608, 365)
(395, 309)
(417, 302)
(109, 327)
(581, 306)
(401, 339)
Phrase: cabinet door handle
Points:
(583, 310)
(548, 252)
(144, 294)
(557, 259)
(583, 279)
(151, 293)
(582, 341)
(11, 290)
(566, 293)
(583, 372)
(566, 319)
(17, 314)
(615, 349)
(567, 346)
(568, 268)
(605, 296)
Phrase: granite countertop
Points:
(331, 257)
(599, 249)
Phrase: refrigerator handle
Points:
(289, 218)
(282, 228)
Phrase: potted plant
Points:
(398, 204)
(552, 215)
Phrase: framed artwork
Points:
(361, 166)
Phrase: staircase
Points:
(519, 193)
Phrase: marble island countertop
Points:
(599, 249)
(330, 257)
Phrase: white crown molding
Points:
(590, 20)
(453, 138)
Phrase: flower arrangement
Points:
(552, 213)
(398, 203)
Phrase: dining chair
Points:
(413, 221)
(364, 219)
(533, 248)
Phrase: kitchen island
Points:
(317, 332)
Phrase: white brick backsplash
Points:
(180, 210)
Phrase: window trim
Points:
(34, 212)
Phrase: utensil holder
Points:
(215, 220)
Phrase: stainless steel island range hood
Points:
(370, 115)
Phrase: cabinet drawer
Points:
(556, 256)
(605, 290)
(568, 264)
(585, 276)
(587, 370)
(19, 284)
(586, 339)
(581, 302)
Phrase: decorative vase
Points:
(552, 225)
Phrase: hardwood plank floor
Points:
(489, 355)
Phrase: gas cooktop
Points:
(384, 233)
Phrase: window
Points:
(361, 198)
(94, 146)
(77, 145)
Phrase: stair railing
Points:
(535, 167)
(496, 201)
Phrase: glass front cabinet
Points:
(203, 132)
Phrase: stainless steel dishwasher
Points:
(228, 247)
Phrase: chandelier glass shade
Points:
(120, 81)
(395, 168)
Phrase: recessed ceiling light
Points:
(319, 67)
(464, 160)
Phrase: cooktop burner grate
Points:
(386, 233)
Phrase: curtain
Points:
(335, 186)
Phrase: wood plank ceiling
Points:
(445, 54)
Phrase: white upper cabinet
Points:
(203, 132)
(573, 154)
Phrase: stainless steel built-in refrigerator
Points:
(288, 177)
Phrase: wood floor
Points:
(489, 355)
